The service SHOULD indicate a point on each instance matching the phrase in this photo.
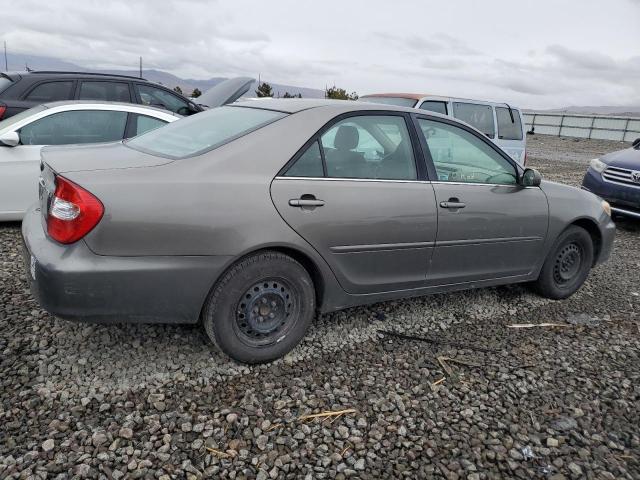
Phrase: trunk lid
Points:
(105, 156)
(225, 92)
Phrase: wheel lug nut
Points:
(271, 315)
(260, 319)
(273, 304)
(264, 300)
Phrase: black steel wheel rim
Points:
(568, 263)
(266, 312)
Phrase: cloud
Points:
(458, 49)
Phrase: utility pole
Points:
(140, 67)
(6, 64)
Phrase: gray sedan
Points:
(251, 218)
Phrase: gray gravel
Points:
(138, 401)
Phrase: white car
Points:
(23, 136)
(501, 122)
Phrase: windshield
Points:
(9, 122)
(398, 101)
(203, 132)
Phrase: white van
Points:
(500, 122)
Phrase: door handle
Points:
(453, 203)
(306, 201)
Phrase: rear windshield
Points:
(4, 124)
(509, 128)
(476, 115)
(202, 132)
(4, 83)
(398, 101)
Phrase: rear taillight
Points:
(3, 109)
(73, 212)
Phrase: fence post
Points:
(593, 120)
(626, 129)
(561, 123)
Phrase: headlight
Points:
(606, 207)
(597, 165)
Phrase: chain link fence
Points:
(602, 127)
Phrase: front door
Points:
(354, 194)
(489, 227)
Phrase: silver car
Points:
(251, 218)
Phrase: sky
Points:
(534, 54)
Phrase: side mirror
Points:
(10, 139)
(636, 143)
(531, 178)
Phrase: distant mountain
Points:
(597, 110)
(19, 62)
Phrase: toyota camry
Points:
(252, 217)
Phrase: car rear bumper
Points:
(70, 281)
(624, 199)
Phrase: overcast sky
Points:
(537, 54)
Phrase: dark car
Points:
(22, 90)
(251, 216)
(616, 178)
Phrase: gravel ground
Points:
(138, 401)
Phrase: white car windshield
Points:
(203, 132)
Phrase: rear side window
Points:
(203, 132)
(478, 116)
(509, 128)
(80, 126)
(309, 164)
(366, 147)
(51, 92)
(109, 91)
(434, 106)
(143, 124)
(4, 83)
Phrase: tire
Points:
(568, 264)
(260, 308)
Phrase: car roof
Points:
(293, 105)
(103, 103)
(427, 96)
(57, 73)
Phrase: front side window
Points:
(478, 116)
(434, 106)
(203, 132)
(460, 156)
(51, 92)
(158, 97)
(109, 91)
(371, 147)
(80, 126)
(509, 124)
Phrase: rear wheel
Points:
(568, 264)
(261, 307)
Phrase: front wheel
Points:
(260, 308)
(568, 264)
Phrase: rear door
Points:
(357, 195)
(489, 227)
